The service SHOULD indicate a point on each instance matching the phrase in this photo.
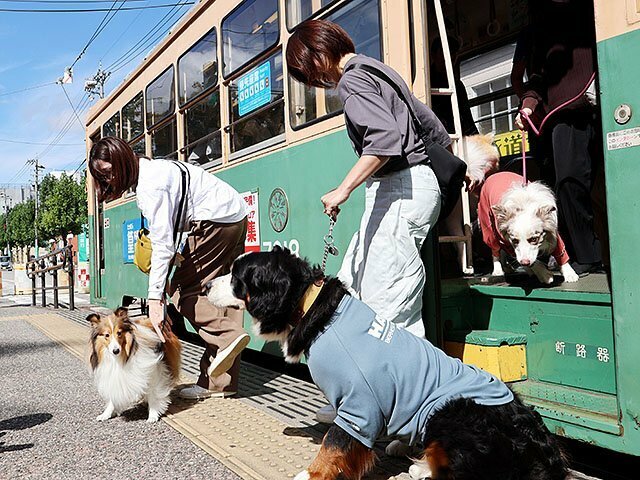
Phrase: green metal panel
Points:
(619, 74)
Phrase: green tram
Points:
(216, 92)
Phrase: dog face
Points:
(268, 285)
(111, 335)
(530, 232)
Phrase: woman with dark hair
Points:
(382, 265)
(215, 221)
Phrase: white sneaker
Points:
(326, 414)
(223, 361)
(196, 392)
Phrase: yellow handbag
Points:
(142, 249)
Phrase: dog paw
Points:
(104, 417)
(397, 448)
(497, 269)
(304, 475)
(467, 270)
(153, 416)
(419, 471)
(569, 274)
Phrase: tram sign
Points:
(252, 241)
(254, 89)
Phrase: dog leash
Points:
(329, 247)
(537, 131)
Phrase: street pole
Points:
(37, 167)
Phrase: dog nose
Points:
(526, 262)
(116, 351)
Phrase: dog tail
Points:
(480, 155)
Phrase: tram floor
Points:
(266, 432)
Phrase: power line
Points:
(19, 172)
(123, 32)
(72, 107)
(101, 26)
(27, 88)
(146, 40)
(5, 140)
(64, 1)
(88, 10)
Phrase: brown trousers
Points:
(209, 252)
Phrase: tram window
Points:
(300, 10)
(139, 147)
(257, 104)
(361, 20)
(132, 122)
(160, 98)
(202, 131)
(164, 142)
(198, 68)
(252, 28)
(111, 128)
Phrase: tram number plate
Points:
(293, 245)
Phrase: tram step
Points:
(503, 354)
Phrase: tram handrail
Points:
(38, 268)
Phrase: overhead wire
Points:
(27, 89)
(86, 10)
(150, 38)
(72, 106)
(123, 32)
(24, 142)
(101, 26)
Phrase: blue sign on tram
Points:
(254, 89)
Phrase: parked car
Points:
(5, 262)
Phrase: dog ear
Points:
(93, 318)
(121, 312)
(501, 214)
(545, 210)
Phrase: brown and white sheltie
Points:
(130, 364)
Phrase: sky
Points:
(35, 48)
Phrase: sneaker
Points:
(326, 414)
(223, 361)
(196, 392)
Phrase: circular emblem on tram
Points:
(278, 210)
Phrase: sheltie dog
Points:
(131, 365)
(522, 220)
(385, 382)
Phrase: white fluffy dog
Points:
(523, 221)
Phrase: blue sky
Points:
(35, 49)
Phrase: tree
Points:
(4, 237)
(63, 207)
(21, 224)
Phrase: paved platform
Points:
(266, 432)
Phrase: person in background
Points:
(382, 265)
(216, 219)
(562, 65)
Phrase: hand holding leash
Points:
(329, 247)
(156, 315)
(332, 201)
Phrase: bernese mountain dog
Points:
(385, 382)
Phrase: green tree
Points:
(63, 207)
(20, 224)
(4, 237)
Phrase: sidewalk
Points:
(47, 418)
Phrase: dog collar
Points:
(308, 299)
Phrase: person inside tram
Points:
(562, 80)
(215, 221)
(382, 265)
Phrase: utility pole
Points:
(37, 167)
(95, 85)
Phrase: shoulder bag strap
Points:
(385, 78)
(181, 213)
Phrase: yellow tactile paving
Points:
(248, 441)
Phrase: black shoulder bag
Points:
(448, 169)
